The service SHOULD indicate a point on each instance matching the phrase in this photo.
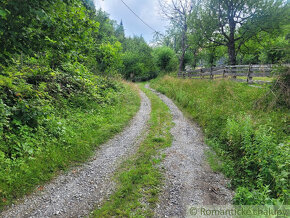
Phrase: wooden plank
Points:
(262, 69)
(261, 74)
(262, 65)
(218, 68)
(235, 66)
(236, 74)
(206, 74)
(238, 70)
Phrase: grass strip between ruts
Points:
(139, 179)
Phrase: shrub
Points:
(165, 59)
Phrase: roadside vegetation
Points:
(140, 178)
(60, 93)
(61, 89)
(48, 126)
(248, 129)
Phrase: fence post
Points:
(211, 75)
(224, 72)
(250, 77)
(201, 76)
(234, 76)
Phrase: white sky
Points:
(148, 10)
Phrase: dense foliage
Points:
(252, 141)
(219, 32)
(58, 100)
(138, 60)
(165, 59)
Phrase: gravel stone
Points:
(188, 177)
(79, 191)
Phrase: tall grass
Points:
(252, 142)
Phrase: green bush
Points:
(138, 60)
(165, 59)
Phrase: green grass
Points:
(250, 137)
(139, 178)
(214, 162)
(84, 129)
(266, 79)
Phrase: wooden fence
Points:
(248, 71)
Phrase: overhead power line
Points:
(154, 30)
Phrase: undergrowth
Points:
(139, 178)
(51, 119)
(252, 142)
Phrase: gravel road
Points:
(77, 192)
(188, 178)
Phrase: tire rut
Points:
(188, 178)
(79, 191)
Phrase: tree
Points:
(165, 58)
(89, 4)
(138, 60)
(177, 12)
(231, 23)
(120, 32)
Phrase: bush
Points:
(138, 60)
(165, 59)
(109, 57)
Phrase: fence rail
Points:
(233, 71)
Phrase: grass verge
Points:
(139, 178)
(251, 138)
(82, 129)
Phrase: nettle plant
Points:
(259, 158)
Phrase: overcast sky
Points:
(148, 10)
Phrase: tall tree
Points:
(177, 12)
(120, 32)
(233, 22)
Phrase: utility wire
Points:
(141, 18)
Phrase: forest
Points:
(66, 73)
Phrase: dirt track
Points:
(188, 178)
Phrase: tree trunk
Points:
(181, 61)
(231, 43)
(183, 47)
(232, 53)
